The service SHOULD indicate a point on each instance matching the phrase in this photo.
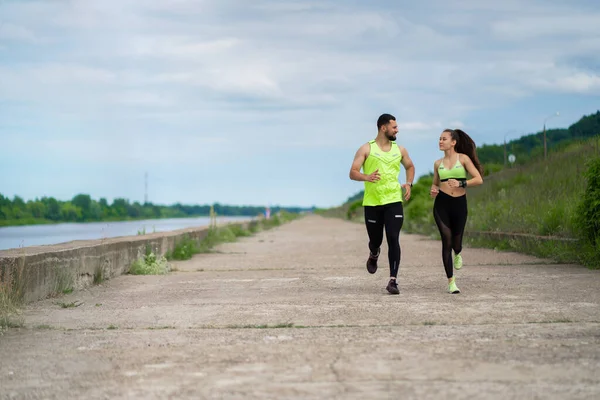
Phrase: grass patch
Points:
(8, 308)
(558, 251)
(98, 276)
(556, 321)
(543, 199)
(263, 326)
(12, 289)
(112, 327)
(149, 264)
(72, 304)
(63, 281)
(239, 231)
(187, 247)
(216, 236)
(253, 227)
(184, 249)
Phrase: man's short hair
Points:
(384, 119)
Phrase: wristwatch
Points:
(462, 184)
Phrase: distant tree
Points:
(70, 212)
(84, 203)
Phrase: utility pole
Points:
(545, 146)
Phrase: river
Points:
(34, 235)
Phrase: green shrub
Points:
(239, 230)
(12, 293)
(271, 222)
(150, 264)
(418, 211)
(588, 212)
(490, 168)
(216, 236)
(553, 220)
(353, 209)
(184, 249)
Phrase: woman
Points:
(449, 190)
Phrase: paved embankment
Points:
(292, 313)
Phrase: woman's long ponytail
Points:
(466, 145)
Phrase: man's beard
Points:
(391, 136)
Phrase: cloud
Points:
(146, 80)
(554, 27)
(169, 46)
(315, 54)
(575, 82)
(142, 98)
(18, 33)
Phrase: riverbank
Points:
(42, 221)
(35, 235)
(37, 272)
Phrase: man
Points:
(380, 160)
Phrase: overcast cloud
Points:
(265, 102)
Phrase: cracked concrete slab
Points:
(292, 313)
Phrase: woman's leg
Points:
(442, 219)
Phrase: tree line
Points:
(82, 208)
(531, 147)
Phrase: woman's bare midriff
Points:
(450, 191)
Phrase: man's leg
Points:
(374, 223)
(393, 220)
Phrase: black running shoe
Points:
(372, 262)
(392, 287)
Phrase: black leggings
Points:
(390, 216)
(450, 215)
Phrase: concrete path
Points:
(292, 313)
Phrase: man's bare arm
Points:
(359, 160)
(408, 166)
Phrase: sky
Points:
(265, 102)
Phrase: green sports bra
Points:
(457, 172)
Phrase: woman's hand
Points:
(434, 191)
(453, 183)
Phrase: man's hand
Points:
(374, 177)
(406, 187)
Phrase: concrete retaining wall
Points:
(42, 271)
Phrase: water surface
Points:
(34, 235)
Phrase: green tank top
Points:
(387, 189)
(457, 171)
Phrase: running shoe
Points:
(452, 288)
(372, 262)
(392, 287)
(457, 261)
